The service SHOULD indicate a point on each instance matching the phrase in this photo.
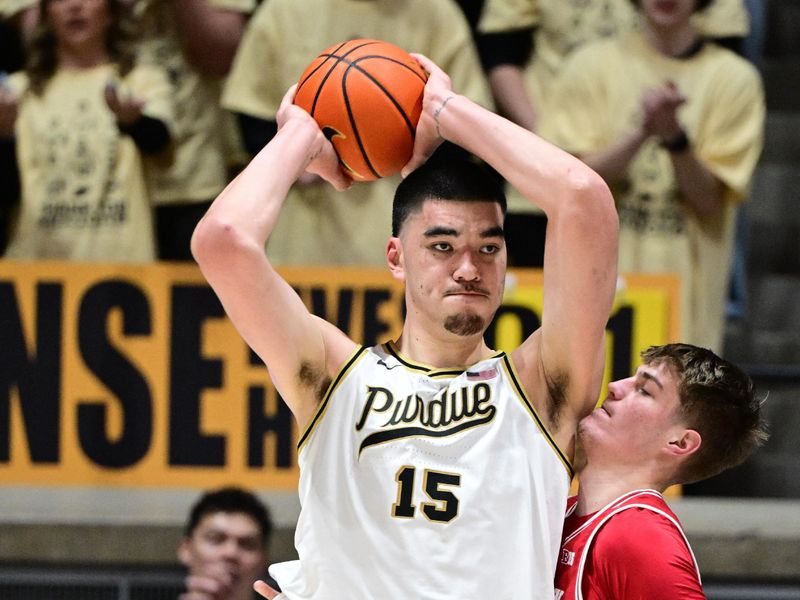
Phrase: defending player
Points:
(685, 415)
(432, 463)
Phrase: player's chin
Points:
(465, 324)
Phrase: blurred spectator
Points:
(675, 125)
(81, 116)
(225, 546)
(317, 225)
(523, 44)
(194, 41)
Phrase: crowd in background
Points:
(121, 120)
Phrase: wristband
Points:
(678, 144)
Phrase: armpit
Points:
(313, 377)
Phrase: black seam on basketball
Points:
(353, 122)
(319, 66)
(339, 59)
(406, 118)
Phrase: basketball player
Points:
(685, 415)
(430, 463)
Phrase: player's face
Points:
(452, 257)
(226, 547)
(667, 13)
(79, 23)
(639, 415)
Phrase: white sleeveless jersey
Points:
(421, 483)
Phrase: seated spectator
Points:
(226, 545)
(83, 120)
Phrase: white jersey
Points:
(422, 483)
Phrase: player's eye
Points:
(442, 246)
(490, 249)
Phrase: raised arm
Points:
(561, 364)
(300, 350)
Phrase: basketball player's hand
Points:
(264, 590)
(660, 108)
(126, 109)
(322, 157)
(8, 112)
(438, 91)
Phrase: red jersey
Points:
(632, 549)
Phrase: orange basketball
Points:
(366, 96)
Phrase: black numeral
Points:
(444, 507)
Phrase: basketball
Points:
(366, 96)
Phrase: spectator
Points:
(281, 39)
(675, 125)
(225, 546)
(523, 46)
(82, 118)
(195, 41)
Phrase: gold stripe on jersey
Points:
(512, 375)
(432, 372)
(357, 354)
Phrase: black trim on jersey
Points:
(431, 372)
(535, 415)
(331, 387)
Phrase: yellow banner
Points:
(116, 375)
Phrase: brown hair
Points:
(717, 400)
(41, 63)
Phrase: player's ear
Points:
(394, 258)
(684, 443)
(184, 552)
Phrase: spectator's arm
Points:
(700, 189)
(256, 132)
(504, 56)
(210, 35)
(150, 135)
(612, 162)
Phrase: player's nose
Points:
(466, 268)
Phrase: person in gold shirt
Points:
(83, 120)
(675, 125)
(195, 42)
(282, 38)
(524, 44)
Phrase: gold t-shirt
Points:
(84, 195)
(599, 94)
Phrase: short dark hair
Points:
(698, 5)
(460, 180)
(717, 399)
(231, 500)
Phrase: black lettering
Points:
(374, 328)
(344, 307)
(36, 374)
(371, 393)
(190, 374)
(117, 373)
(528, 322)
(621, 327)
(261, 423)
